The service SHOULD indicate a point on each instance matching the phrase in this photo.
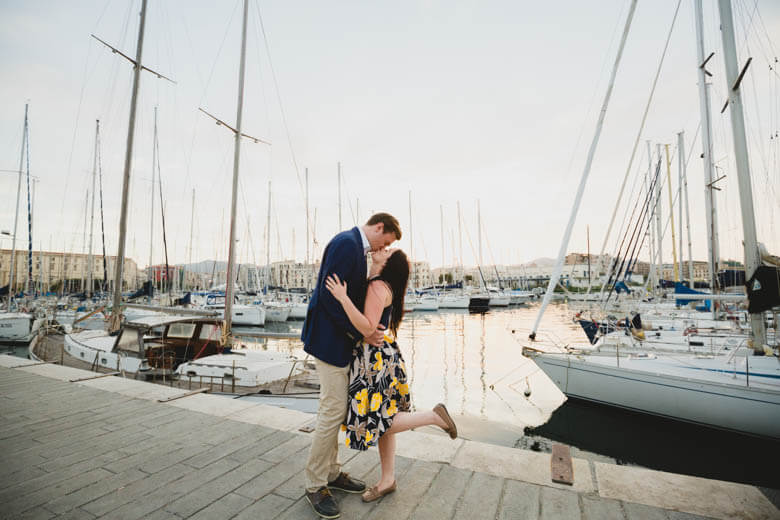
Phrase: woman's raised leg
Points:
(403, 421)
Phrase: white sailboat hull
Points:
(277, 313)
(452, 301)
(681, 389)
(500, 300)
(17, 326)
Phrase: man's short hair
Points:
(390, 223)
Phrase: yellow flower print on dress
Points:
(394, 383)
(403, 389)
(343, 427)
(392, 409)
(378, 364)
(362, 401)
(369, 436)
(376, 401)
(346, 441)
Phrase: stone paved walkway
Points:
(106, 448)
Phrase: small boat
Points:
(178, 346)
(454, 300)
(427, 302)
(18, 326)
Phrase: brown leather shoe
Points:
(346, 483)
(323, 503)
(373, 493)
(442, 412)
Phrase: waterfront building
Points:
(50, 268)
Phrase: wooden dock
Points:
(78, 446)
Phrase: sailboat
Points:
(19, 326)
(735, 389)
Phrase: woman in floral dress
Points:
(379, 400)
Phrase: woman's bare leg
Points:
(403, 421)
(387, 460)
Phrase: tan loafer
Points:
(373, 493)
(442, 412)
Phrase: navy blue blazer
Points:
(327, 332)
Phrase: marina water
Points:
(472, 363)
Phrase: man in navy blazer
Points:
(329, 336)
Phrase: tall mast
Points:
(151, 213)
(268, 240)
(659, 235)
(192, 227)
(84, 242)
(684, 181)
(338, 181)
(652, 271)
(12, 274)
(479, 232)
(411, 241)
(441, 217)
(671, 214)
(92, 215)
(120, 255)
(733, 77)
(460, 242)
(307, 216)
(555, 275)
(104, 287)
(680, 161)
(226, 333)
(710, 202)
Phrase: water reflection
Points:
(457, 358)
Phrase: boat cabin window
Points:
(209, 332)
(181, 330)
(128, 340)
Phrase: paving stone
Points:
(255, 451)
(302, 509)
(270, 506)
(679, 515)
(89, 493)
(643, 512)
(287, 448)
(443, 495)
(135, 490)
(36, 513)
(352, 506)
(274, 476)
(557, 504)
(520, 500)
(410, 490)
(42, 496)
(207, 493)
(207, 457)
(157, 499)
(225, 507)
(601, 509)
(480, 498)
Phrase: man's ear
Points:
(380, 228)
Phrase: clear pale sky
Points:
(451, 101)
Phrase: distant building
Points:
(50, 269)
(289, 273)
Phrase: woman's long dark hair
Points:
(396, 274)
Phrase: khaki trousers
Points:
(323, 465)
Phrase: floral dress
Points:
(377, 390)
